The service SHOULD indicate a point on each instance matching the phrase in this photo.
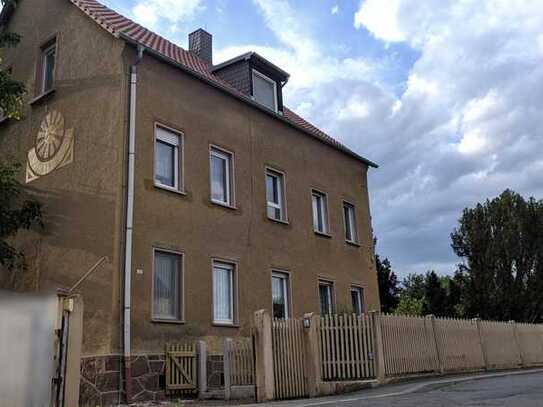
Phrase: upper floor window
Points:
(275, 195)
(167, 158)
(357, 298)
(167, 286)
(280, 289)
(320, 212)
(265, 90)
(349, 217)
(47, 68)
(220, 163)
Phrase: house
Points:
(209, 197)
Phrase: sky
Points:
(446, 96)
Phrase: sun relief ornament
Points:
(54, 147)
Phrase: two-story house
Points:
(210, 198)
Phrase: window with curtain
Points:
(320, 212)
(351, 233)
(280, 295)
(326, 297)
(166, 286)
(275, 195)
(223, 293)
(221, 176)
(167, 145)
(357, 297)
(265, 90)
(48, 57)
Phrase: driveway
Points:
(511, 390)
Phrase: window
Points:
(167, 145)
(47, 74)
(351, 234)
(265, 90)
(280, 292)
(275, 195)
(357, 297)
(326, 292)
(320, 212)
(167, 286)
(220, 164)
(223, 293)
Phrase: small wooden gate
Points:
(347, 347)
(181, 370)
(288, 358)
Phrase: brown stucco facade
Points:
(84, 202)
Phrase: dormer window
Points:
(265, 90)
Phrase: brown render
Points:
(84, 202)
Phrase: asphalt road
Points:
(521, 390)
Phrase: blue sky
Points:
(445, 95)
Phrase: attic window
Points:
(265, 90)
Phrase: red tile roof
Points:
(123, 27)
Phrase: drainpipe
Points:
(129, 226)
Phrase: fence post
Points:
(439, 351)
(227, 345)
(376, 321)
(312, 366)
(517, 342)
(264, 356)
(482, 341)
(202, 369)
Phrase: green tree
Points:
(16, 211)
(435, 300)
(388, 284)
(500, 243)
(409, 306)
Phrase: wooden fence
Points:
(530, 340)
(288, 358)
(181, 372)
(347, 347)
(240, 358)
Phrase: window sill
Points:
(280, 221)
(42, 96)
(322, 234)
(170, 189)
(167, 321)
(224, 205)
(351, 243)
(224, 325)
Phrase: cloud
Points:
(149, 12)
(334, 10)
(381, 18)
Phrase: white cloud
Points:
(381, 18)
(334, 10)
(148, 12)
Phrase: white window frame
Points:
(44, 53)
(281, 194)
(267, 79)
(175, 139)
(353, 225)
(225, 264)
(180, 287)
(330, 285)
(285, 277)
(360, 293)
(229, 158)
(325, 212)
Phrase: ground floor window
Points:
(167, 285)
(223, 292)
(280, 290)
(357, 296)
(326, 291)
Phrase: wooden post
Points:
(430, 319)
(227, 345)
(312, 367)
(482, 342)
(379, 356)
(517, 343)
(264, 356)
(202, 369)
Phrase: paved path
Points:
(503, 390)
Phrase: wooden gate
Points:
(347, 347)
(288, 358)
(181, 370)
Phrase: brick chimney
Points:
(201, 44)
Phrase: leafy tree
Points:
(409, 306)
(414, 286)
(388, 284)
(501, 246)
(16, 212)
(435, 295)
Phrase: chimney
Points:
(201, 44)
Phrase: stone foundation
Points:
(102, 379)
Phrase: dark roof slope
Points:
(160, 47)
